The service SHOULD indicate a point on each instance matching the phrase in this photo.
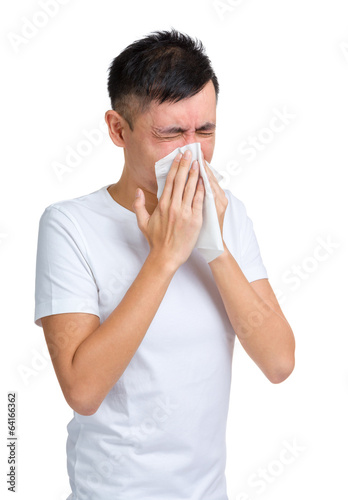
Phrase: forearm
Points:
(265, 335)
(104, 355)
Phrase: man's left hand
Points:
(220, 198)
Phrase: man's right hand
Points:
(174, 226)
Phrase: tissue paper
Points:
(209, 242)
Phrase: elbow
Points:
(85, 411)
(284, 368)
(283, 372)
(82, 408)
(81, 405)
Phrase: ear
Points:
(116, 125)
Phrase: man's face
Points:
(167, 126)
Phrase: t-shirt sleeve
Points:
(251, 261)
(64, 282)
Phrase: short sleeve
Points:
(64, 282)
(251, 260)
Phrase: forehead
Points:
(192, 112)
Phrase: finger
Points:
(208, 170)
(211, 178)
(198, 199)
(140, 210)
(191, 184)
(180, 178)
(168, 186)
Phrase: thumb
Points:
(140, 210)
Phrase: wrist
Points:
(222, 257)
(162, 263)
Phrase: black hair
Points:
(163, 66)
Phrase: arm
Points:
(92, 357)
(256, 317)
(252, 308)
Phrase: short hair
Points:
(163, 66)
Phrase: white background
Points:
(282, 55)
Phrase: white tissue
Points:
(209, 242)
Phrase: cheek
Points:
(208, 150)
(165, 148)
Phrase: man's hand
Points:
(220, 198)
(174, 226)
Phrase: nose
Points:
(189, 138)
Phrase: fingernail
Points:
(178, 157)
(194, 165)
(137, 193)
(187, 154)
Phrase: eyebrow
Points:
(176, 130)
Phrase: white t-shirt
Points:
(160, 432)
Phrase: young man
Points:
(140, 327)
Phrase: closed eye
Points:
(178, 135)
(170, 137)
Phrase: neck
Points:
(123, 192)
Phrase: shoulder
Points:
(236, 207)
(71, 209)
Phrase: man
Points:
(140, 327)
